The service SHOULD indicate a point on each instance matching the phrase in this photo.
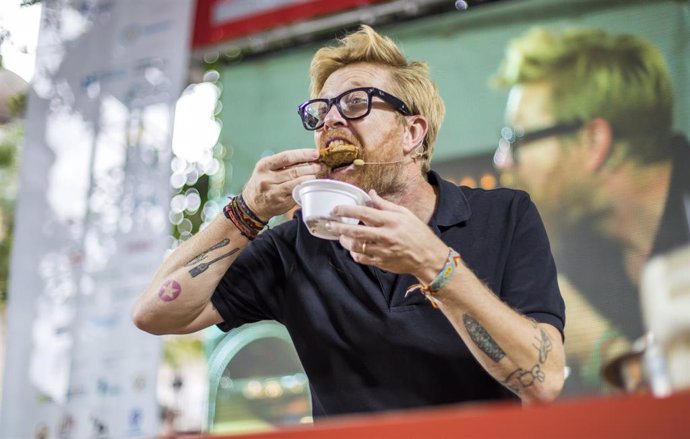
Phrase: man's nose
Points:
(333, 117)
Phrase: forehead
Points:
(529, 105)
(356, 75)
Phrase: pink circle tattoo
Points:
(169, 291)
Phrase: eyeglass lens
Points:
(351, 105)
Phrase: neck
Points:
(417, 195)
(637, 197)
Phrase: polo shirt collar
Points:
(452, 206)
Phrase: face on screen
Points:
(549, 169)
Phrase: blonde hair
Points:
(411, 81)
(620, 78)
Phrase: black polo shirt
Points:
(364, 346)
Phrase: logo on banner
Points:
(99, 428)
(66, 427)
(134, 418)
(134, 31)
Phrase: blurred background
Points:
(125, 126)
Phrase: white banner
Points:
(92, 218)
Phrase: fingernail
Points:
(328, 226)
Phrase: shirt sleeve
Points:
(249, 290)
(531, 282)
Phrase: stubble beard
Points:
(386, 179)
(564, 200)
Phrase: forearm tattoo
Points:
(203, 266)
(543, 346)
(482, 338)
(520, 378)
(203, 255)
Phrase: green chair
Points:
(256, 381)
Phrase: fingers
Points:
(288, 166)
(370, 216)
(365, 254)
(286, 187)
(289, 158)
(352, 237)
(364, 251)
(356, 246)
(295, 172)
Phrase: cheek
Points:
(538, 160)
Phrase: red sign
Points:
(222, 20)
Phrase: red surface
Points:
(612, 417)
(206, 33)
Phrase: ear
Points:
(417, 127)
(599, 140)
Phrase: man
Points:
(367, 338)
(590, 138)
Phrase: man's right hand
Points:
(178, 298)
(268, 192)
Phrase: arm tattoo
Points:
(544, 346)
(520, 378)
(482, 338)
(198, 269)
(203, 255)
(169, 290)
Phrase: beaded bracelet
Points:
(244, 208)
(447, 271)
(243, 218)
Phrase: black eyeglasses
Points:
(351, 104)
(513, 138)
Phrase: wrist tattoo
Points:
(203, 255)
(481, 337)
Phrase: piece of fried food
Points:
(338, 155)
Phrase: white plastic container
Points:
(319, 197)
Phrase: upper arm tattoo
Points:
(481, 337)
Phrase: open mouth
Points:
(339, 154)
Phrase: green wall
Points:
(463, 49)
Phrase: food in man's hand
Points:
(339, 154)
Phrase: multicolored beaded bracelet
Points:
(453, 261)
(243, 218)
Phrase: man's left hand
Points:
(391, 238)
